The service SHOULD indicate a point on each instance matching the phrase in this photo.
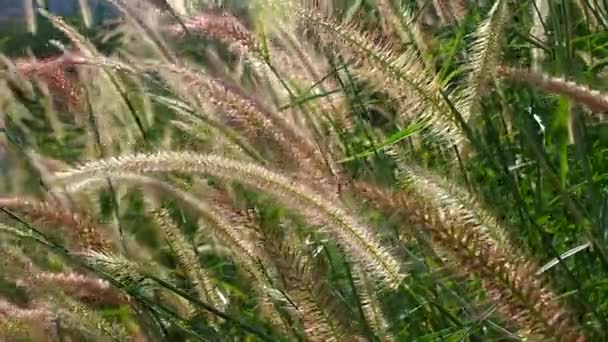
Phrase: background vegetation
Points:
(306, 170)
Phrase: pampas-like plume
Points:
(403, 76)
(372, 311)
(34, 322)
(85, 321)
(406, 26)
(240, 110)
(594, 100)
(57, 74)
(39, 321)
(201, 280)
(84, 288)
(229, 30)
(26, 274)
(225, 28)
(311, 300)
(9, 310)
(82, 231)
(253, 118)
(301, 66)
(359, 241)
(14, 260)
(483, 58)
(391, 23)
(123, 270)
(509, 278)
(252, 257)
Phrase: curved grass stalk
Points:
(305, 300)
(83, 233)
(594, 100)
(70, 294)
(201, 280)
(192, 119)
(266, 59)
(357, 240)
(148, 32)
(18, 321)
(229, 30)
(121, 269)
(37, 322)
(310, 300)
(84, 288)
(509, 278)
(370, 305)
(483, 58)
(317, 78)
(77, 316)
(405, 24)
(245, 112)
(403, 76)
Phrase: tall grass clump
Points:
(269, 170)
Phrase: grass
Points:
(295, 170)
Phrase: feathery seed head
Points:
(358, 240)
